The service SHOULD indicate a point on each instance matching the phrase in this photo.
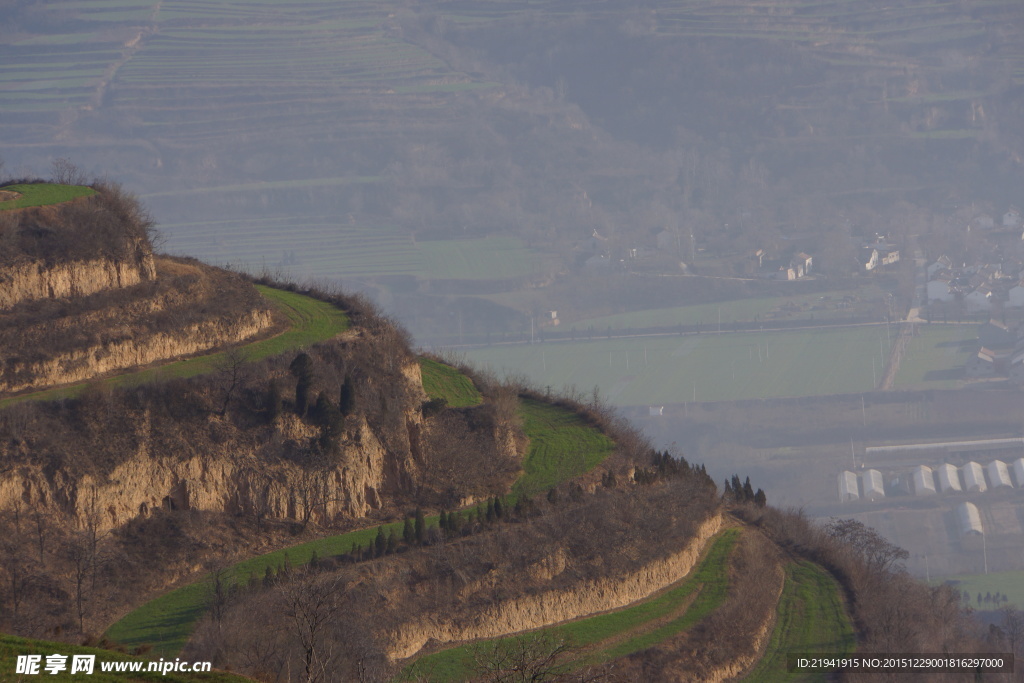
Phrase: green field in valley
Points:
(707, 367)
(763, 309)
(43, 194)
(1010, 584)
(614, 634)
(12, 647)
(935, 357)
(811, 618)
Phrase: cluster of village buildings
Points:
(982, 286)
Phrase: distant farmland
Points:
(661, 370)
(935, 357)
(326, 246)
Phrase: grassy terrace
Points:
(556, 439)
(444, 381)
(11, 647)
(311, 321)
(562, 446)
(811, 618)
(43, 194)
(615, 634)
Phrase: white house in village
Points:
(983, 222)
(980, 299)
(1016, 372)
(1011, 219)
(943, 263)
(940, 288)
(1016, 295)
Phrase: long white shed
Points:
(969, 519)
(999, 474)
(924, 481)
(974, 478)
(848, 487)
(872, 484)
(1018, 471)
(949, 478)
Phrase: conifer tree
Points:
(347, 397)
(408, 533)
(392, 542)
(420, 527)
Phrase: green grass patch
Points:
(935, 357)
(167, 621)
(707, 367)
(311, 321)
(709, 581)
(811, 619)
(444, 381)
(43, 194)
(562, 446)
(761, 309)
(1010, 584)
(11, 647)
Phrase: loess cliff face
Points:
(40, 280)
(255, 440)
(185, 309)
(82, 295)
(543, 608)
(235, 477)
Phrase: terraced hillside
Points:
(558, 438)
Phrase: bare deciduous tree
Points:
(310, 606)
(529, 658)
(66, 172)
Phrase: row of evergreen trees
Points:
(743, 493)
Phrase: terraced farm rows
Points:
(607, 636)
(328, 246)
(811, 618)
(311, 321)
